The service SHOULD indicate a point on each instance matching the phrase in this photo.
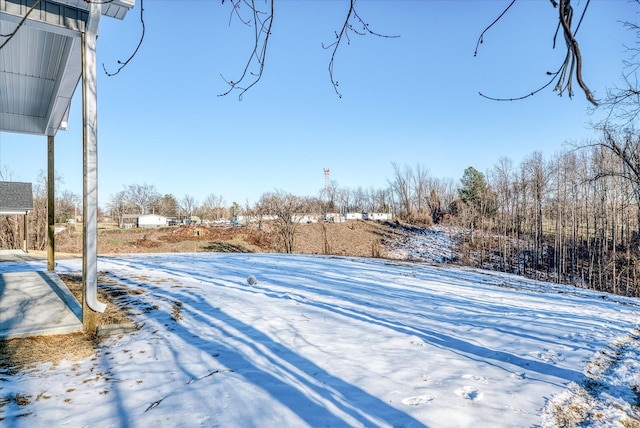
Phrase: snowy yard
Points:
(333, 342)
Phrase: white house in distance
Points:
(369, 216)
(152, 220)
(314, 218)
(378, 216)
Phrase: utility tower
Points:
(326, 184)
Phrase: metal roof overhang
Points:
(14, 212)
(40, 66)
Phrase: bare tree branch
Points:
(481, 38)
(530, 94)
(336, 45)
(574, 56)
(347, 26)
(625, 146)
(124, 64)
(572, 62)
(15, 31)
(262, 28)
(623, 102)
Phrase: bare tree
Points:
(381, 200)
(502, 181)
(38, 218)
(359, 199)
(330, 196)
(143, 196)
(536, 172)
(625, 145)
(421, 191)
(401, 186)
(67, 206)
(120, 205)
(573, 220)
(167, 206)
(9, 231)
(213, 207)
(288, 210)
(623, 102)
(346, 199)
(188, 205)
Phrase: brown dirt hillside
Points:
(352, 238)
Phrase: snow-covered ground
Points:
(434, 244)
(330, 342)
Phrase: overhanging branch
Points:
(348, 26)
(262, 31)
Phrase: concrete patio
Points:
(34, 301)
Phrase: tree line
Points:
(145, 199)
(571, 218)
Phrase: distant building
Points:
(152, 220)
(379, 216)
(333, 218)
(305, 218)
(368, 216)
(315, 218)
(353, 216)
(17, 199)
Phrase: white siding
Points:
(152, 220)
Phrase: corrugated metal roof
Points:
(15, 197)
(40, 66)
(114, 9)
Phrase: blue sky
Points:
(408, 100)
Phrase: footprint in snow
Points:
(549, 356)
(474, 377)
(416, 341)
(469, 393)
(416, 401)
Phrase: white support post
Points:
(90, 164)
(51, 224)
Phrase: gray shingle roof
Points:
(15, 197)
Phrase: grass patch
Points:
(225, 247)
(24, 353)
